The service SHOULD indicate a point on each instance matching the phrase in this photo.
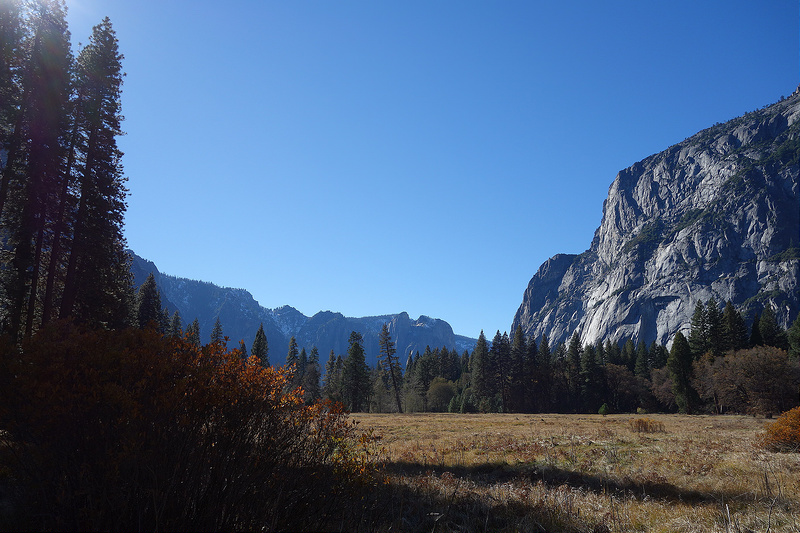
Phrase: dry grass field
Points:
(587, 473)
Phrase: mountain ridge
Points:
(240, 315)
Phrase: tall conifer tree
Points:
(260, 348)
(391, 363)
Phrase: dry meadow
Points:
(582, 473)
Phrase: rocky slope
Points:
(240, 316)
(715, 215)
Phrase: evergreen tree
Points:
(242, 349)
(755, 332)
(573, 369)
(292, 362)
(500, 361)
(423, 374)
(518, 379)
(642, 366)
(311, 378)
(260, 348)
(544, 350)
(176, 325)
(735, 335)
(532, 377)
(658, 355)
(331, 386)
(355, 375)
(391, 363)
(771, 333)
(480, 369)
(715, 332)
(679, 365)
(38, 106)
(148, 304)
(628, 354)
(592, 381)
(97, 267)
(216, 332)
(698, 334)
(193, 332)
(793, 337)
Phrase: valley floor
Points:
(588, 473)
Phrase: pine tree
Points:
(175, 325)
(771, 333)
(735, 335)
(331, 387)
(517, 375)
(500, 360)
(355, 374)
(480, 369)
(628, 354)
(592, 380)
(793, 337)
(242, 349)
(260, 348)
(715, 331)
(391, 363)
(698, 334)
(755, 332)
(311, 378)
(642, 366)
(32, 171)
(193, 332)
(148, 304)
(97, 268)
(573, 362)
(293, 353)
(216, 332)
(679, 365)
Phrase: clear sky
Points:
(372, 157)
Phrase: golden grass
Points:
(452, 472)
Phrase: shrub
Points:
(132, 430)
(783, 435)
(647, 425)
(603, 410)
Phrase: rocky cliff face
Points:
(715, 215)
(240, 316)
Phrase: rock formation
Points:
(715, 215)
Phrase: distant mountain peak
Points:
(240, 315)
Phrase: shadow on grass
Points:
(400, 506)
(552, 476)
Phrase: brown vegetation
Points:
(784, 434)
(583, 473)
(130, 430)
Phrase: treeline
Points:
(722, 366)
(62, 193)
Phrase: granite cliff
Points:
(715, 215)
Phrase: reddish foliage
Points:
(783, 435)
(132, 430)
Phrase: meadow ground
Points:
(586, 473)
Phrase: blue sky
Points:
(373, 157)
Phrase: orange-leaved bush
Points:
(783, 435)
(103, 430)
